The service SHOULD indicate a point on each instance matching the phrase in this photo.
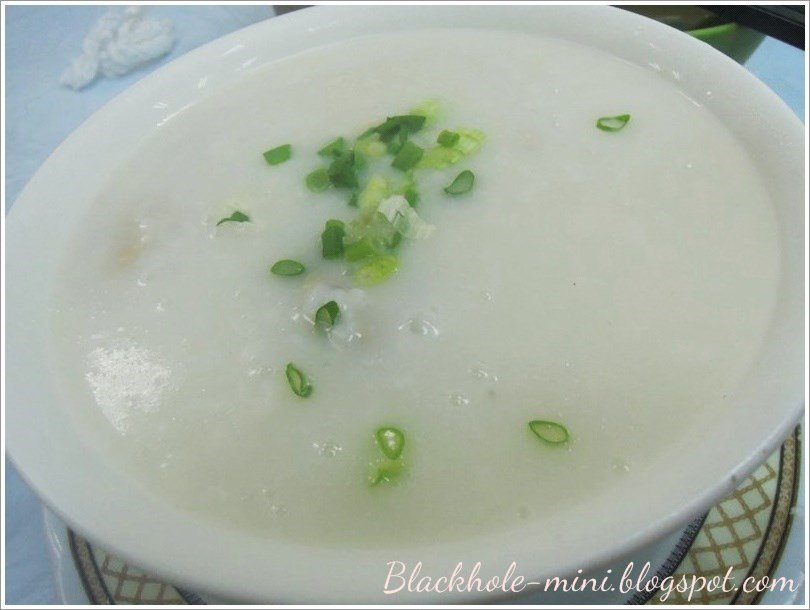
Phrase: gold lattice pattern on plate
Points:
(128, 585)
(746, 531)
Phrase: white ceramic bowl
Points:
(93, 498)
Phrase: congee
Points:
(414, 287)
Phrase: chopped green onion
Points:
(408, 156)
(360, 249)
(344, 178)
(411, 196)
(613, 123)
(342, 171)
(370, 147)
(429, 109)
(393, 240)
(298, 381)
(372, 236)
(396, 143)
(412, 122)
(440, 157)
(549, 431)
(318, 181)
(406, 183)
(404, 218)
(385, 472)
(235, 217)
(287, 267)
(462, 183)
(332, 239)
(386, 209)
(391, 441)
(469, 142)
(376, 270)
(360, 161)
(448, 139)
(393, 124)
(278, 155)
(375, 191)
(334, 148)
(327, 315)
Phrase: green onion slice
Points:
(370, 147)
(448, 139)
(318, 181)
(235, 217)
(342, 171)
(429, 109)
(396, 143)
(327, 315)
(549, 431)
(404, 218)
(278, 155)
(298, 381)
(440, 157)
(360, 249)
(332, 239)
(462, 183)
(408, 156)
(393, 124)
(287, 267)
(469, 142)
(613, 123)
(360, 161)
(334, 148)
(385, 472)
(366, 238)
(373, 193)
(391, 441)
(411, 196)
(377, 270)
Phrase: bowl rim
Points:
(34, 458)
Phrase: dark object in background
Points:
(288, 8)
(734, 30)
(736, 41)
(785, 23)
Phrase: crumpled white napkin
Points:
(117, 44)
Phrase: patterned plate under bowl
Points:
(746, 531)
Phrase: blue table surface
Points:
(40, 114)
